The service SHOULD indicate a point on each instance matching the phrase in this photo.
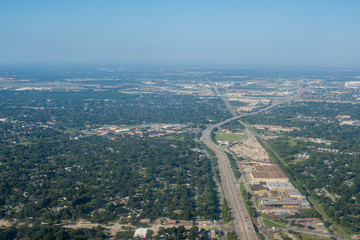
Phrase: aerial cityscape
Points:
(180, 120)
(257, 153)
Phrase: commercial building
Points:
(294, 193)
(278, 186)
(267, 173)
(273, 202)
(287, 187)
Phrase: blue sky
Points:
(295, 33)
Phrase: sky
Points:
(213, 32)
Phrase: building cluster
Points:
(351, 122)
(315, 140)
(275, 128)
(272, 186)
(352, 84)
(146, 130)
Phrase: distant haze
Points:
(297, 33)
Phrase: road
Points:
(240, 216)
(226, 102)
(241, 219)
(312, 233)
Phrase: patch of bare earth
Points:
(251, 149)
(5, 223)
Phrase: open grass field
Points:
(309, 237)
(230, 137)
(272, 224)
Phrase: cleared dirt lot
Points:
(251, 149)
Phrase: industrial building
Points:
(267, 173)
(277, 186)
(278, 193)
(294, 193)
(273, 202)
(286, 187)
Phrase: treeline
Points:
(50, 232)
(328, 168)
(337, 174)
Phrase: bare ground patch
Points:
(251, 149)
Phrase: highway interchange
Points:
(242, 222)
(243, 225)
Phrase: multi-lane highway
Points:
(241, 219)
(240, 216)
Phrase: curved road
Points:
(241, 219)
(242, 223)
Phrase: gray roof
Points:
(280, 201)
(280, 185)
(293, 192)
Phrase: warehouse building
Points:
(267, 173)
(294, 193)
(273, 202)
(279, 186)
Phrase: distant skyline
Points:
(290, 33)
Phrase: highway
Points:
(241, 219)
(226, 102)
(240, 216)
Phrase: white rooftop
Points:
(294, 192)
(140, 232)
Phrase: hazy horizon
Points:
(256, 33)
